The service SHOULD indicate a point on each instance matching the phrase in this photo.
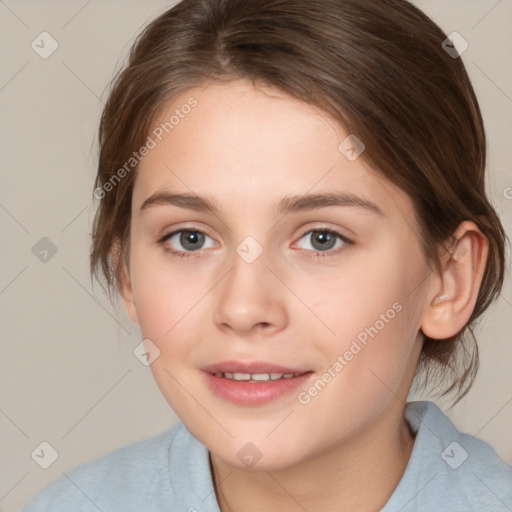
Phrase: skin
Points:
(247, 148)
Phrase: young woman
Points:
(292, 208)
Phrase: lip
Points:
(247, 393)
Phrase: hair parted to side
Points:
(377, 67)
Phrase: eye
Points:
(324, 240)
(186, 240)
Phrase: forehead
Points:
(254, 145)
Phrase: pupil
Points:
(191, 240)
(325, 240)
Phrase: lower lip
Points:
(254, 393)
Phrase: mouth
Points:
(253, 383)
(256, 377)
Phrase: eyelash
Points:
(315, 255)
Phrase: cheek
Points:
(167, 308)
(367, 367)
(165, 298)
(373, 311)
(371, 290)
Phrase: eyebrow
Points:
(285, 206)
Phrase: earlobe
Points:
(450, 305)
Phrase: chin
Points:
(252, 459)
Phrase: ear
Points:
(125, 283)
(453, 294)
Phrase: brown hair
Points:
(379, 68)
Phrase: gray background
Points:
(68, 375)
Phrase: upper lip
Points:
(252, 367)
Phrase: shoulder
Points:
(450, 469)
(129, 478)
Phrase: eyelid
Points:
(183, 253)
(325, 229)
(169, 232)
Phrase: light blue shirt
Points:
(447, 471)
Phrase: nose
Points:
(250, 299)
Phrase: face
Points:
(238, 266)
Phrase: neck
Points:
(358, 474)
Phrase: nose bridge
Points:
(249, 295)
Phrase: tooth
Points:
(260, 376)
(242, 376)
(255, 377)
